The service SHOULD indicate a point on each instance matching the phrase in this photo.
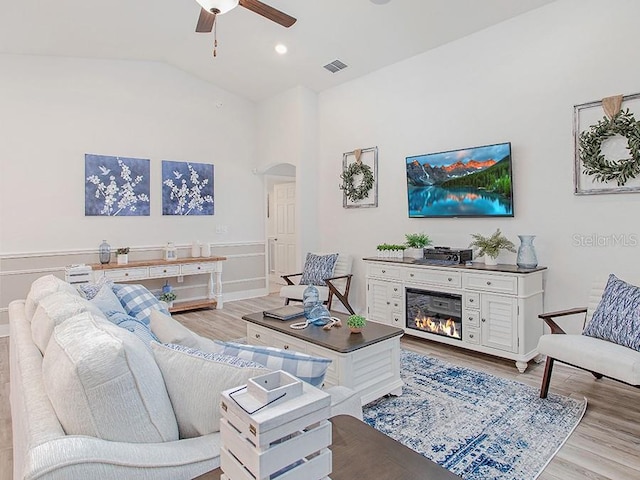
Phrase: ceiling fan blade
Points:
(205, 21)
(269, 12)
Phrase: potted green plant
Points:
(122, 254)
(415, 243)
(356, 323)
(490, 246)
(168, 297)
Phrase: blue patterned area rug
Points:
(474, 424)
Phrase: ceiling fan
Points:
(212, 8)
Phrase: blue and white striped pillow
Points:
(305, 367)
(317, 268)
(617, 316)
(135, 326)
(138, 301)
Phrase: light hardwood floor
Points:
(606, 444)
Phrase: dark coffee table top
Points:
(338, 339)
(360, 451)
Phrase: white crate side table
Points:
(286, 439)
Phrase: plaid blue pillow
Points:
(138, 301)
(305, 367)
(317, 268)
(617, 316)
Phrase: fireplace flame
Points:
(437, 325)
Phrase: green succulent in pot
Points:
(356, 323)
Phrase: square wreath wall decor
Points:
(607, 147)
(360, 178)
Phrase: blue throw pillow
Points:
(107, 301)
(90, 290)
(305, 367)
(617, 316)
(138, 301)
(317, 268)
(215, 357)
(135, 326)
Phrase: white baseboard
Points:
(244, 294)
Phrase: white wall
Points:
(54, 110)
(516, 82)
(287, 133)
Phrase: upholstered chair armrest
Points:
(549, 316)
(287, 277)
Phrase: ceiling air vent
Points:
(335, 66)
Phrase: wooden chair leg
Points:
(286, 301)
(546, 378)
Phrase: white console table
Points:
(148, 269)
(500, 304)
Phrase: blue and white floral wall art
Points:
(187, 188)
(116, 186)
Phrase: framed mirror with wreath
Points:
(607, 146)
(359, 178)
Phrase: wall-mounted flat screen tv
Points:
(472, 182)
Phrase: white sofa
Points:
(43, 450)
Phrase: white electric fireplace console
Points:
(489, 309)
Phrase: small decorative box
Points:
(275, 428)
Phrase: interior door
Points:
(285, 234)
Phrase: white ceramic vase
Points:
(490, 260)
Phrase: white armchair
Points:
(337, 285)
(600, 357)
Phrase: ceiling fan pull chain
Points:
(215, 36)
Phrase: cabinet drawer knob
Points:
(388, 303)
(384, 271)
(126, 274)
(199, 268)
(471, 300)
(488, 283)
(257, 335)
(164, 271)
(471, 319)
(286, 347)
(450, 279)
(411, 274)
(471, 335)
(484, 319)
(395, 289)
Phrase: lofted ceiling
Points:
(360, 33)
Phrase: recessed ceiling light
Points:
(281, 48)
(379, 2)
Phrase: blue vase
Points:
(104, 251)
(310, 298)
(527, 257)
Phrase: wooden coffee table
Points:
(360, 451)
(367, 362)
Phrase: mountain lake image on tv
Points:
(472, 182)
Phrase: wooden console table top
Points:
(155, 263)
(338, 339)
(360, 451)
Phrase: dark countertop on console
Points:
(501, 267)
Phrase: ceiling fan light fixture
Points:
(223, 6)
